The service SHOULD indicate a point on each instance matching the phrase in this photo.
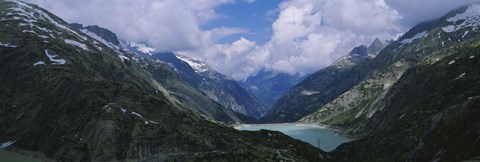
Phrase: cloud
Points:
(416, 11)
(169, 25)
(307, 35)
(312, 34)
(238, 59)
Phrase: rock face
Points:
(321, 87)
(68, 96)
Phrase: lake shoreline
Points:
(339, 131)
(311, 133)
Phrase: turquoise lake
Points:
(313, 134)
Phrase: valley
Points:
(74, 92)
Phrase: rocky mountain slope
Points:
(66, 96)
(218, 87)
(431, 113)
(176, 86)
(422, 103)
(322, 86)
(365, 99)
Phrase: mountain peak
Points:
(376, 46)
(197, 65)
(361, 50)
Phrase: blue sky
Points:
(256, 17)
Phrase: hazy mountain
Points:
(268, 86)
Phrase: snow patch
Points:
(359, 114)
(100, 39)
(123, 110)
(43, 36)
(8, 45)
(460, 76)
(465, 34)
(448, 29)
(6, 144)
(143, 48)
(53, 59)
(309, 92)
(469, 18)
(137, 114)
(39, 63)
(471, 57)
(451, 62)
(417, 36)
(29, 31)
(40, 14)
(75, 43)
(196, 65)
(123, 57)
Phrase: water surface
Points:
(320, 137)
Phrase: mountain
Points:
(431, 112)
(322, 86)
(106, 36)
(140, 48)
(268, 86)
(362, 101)
(417, 100)
(177, 88)
(202, 77)
(66, 96)
(225, 90)
(217, 86)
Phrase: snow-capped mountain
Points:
(219, 87)
(140, 48)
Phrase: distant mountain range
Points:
(268, 86)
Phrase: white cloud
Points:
(312, 34)
(416, 11)
(306, 34)
(169, 25)
(237, 59)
